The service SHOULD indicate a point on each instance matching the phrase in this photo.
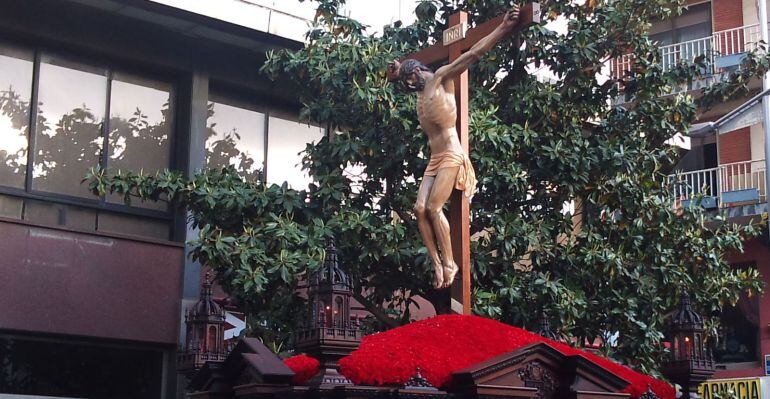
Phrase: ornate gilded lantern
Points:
(690, 362)
(204, 341)
(330, 333)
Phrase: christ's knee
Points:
(420, 211)
(434, 211)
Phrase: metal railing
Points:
(739, 176)
(726, 185)
(689, 50)
(737, 40)
(690, 184)
(619, 66)
(718, 44)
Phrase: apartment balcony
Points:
(737, 187)
(724, 50)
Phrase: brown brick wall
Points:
(735, 146)
(726, 14)
(60, 282)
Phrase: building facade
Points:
(724, 160)
(93, 291)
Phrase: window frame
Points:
(111, 69)
(756, 356)
(674, 29)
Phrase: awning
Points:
(747, 114)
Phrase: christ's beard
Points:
(416, 86)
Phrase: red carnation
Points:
(444, 344)
(303, 366)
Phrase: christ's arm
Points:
(462, 63)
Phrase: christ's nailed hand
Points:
(511, 18)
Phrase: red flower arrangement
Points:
(303, 366)
(444, 344)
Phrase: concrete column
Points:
(194, 127)
(765, 85)
(193, 112)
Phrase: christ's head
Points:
(410, 72)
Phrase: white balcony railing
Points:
(737, 40)
(719, 44)
(672, 54)
(727, 185)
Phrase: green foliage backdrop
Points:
(535, 146)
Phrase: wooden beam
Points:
(459, 206)
(529, 14)
(430, 55)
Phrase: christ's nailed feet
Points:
(439, 283)
(449, 274)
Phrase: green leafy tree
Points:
(612, 267)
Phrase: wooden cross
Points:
(457, 39)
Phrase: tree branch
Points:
(376, 311)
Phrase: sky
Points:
(375, 13)
(254, 14)
(291, 20)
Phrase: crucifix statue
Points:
(442, 109)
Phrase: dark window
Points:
(737, 338)
(70, 369)
(83, 116)
(694, 23)
(710, 155)
(338, 311)
(682, 32)
(212, 340)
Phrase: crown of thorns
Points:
(410, 66)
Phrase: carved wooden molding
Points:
(536, 375)
(499, 366)
(649, 394)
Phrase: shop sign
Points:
(744, 388)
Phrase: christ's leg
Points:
(439, 194)
(426, 229)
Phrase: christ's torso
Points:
(437, 113)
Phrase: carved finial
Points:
(649, 394)
(419, 382)
(686, 316)
(544, 327)
(206, 292)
